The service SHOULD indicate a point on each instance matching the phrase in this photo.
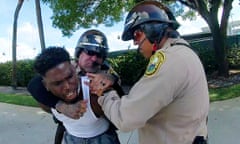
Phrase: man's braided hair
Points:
(49, 58)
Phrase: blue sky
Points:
(28, 44)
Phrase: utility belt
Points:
(199, 140)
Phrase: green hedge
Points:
(24, 72)
(234, 57)
(5, 73)
(206, 55)
(130, 65)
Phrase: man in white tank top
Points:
(92, 127)
(89, 125)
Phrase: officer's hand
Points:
(100, 82)
(74, 111)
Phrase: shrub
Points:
(5, 73)
(234, 57)
(130, 66)
(24, 72)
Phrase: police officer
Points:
(170, 103)
(90, 53)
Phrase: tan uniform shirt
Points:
(169, 104)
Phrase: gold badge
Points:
(155, 62)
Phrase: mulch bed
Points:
(217, 82)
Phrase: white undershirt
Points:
(88, 125)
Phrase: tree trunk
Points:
(14, 45)
(209, 12)
(40, 25)
(219, 44)
(219, 33)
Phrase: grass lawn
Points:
(216, 94)
(25, 100)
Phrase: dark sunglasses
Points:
(93, 53)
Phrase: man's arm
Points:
(40, 93)
(45, 108)
(74, 111)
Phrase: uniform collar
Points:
(172, 41)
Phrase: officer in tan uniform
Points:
(170, 103)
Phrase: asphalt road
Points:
(27, 125)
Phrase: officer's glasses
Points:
(137, 35)
(93, 53)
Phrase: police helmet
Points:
(92, 40)
(147, 12)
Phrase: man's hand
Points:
(74, 111)
(100, 82)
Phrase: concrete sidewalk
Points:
(27, 125)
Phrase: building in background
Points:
(233, 28)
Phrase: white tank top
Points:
(88, 125)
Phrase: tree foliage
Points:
(70, 15)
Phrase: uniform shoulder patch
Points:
(155, 63)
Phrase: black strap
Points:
(199, 140)
(184, 44)
(59, 131)
(59, 134)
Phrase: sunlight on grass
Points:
(219, 94)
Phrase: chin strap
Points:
(168, 34)
(154, 48)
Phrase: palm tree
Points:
(14, 45)
(40, 25)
